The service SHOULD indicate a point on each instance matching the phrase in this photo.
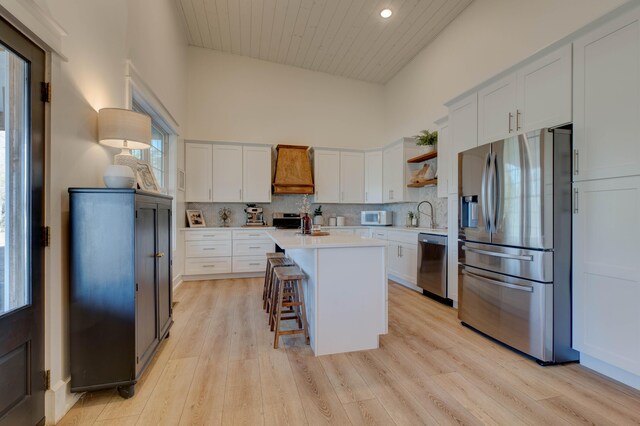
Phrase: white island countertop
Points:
(290, 239)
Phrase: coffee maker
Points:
(255, 215)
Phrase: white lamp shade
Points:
(123, 128)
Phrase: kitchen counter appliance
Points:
(515, 243)
(286, 220)
(376, 218)
(432, 266)
(254, 215)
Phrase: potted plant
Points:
(427, 139)
(317, 216)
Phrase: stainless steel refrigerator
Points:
(515, 242)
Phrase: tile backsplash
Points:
(351, 212)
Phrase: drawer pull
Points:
(255, 247)
(254, 264)
(208, 248)
(209, 235)
(208, 266)
(525, 257)
(498, 283)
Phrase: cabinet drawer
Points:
(380, 234)
(207, 249)
(249, 264)
(216, 265)
(251, 235)
(203, 235)
(403, 237)
(253, 248)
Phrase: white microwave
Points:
(376, 218)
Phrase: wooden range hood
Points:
(293, 170)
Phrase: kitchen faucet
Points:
(433, 222)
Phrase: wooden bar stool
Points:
(267, 276)
(275, 262)
(289, 294)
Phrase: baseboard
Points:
(59, 400)
(611, 371)
(222, 276)
(177, 282)
(404, 283)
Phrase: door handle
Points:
(576, 161)
(518, 119)
(498, 283)
(483, 194)
(510, 117)
(575, 200)
(240, 193)
(525, 257)
(495, 191)
(160, 254)
(209, 194)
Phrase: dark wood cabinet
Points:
(120, 285)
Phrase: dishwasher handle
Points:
(432, 239)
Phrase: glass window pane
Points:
(14, 182)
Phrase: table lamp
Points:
(125, 129)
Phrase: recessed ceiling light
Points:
(386, 13)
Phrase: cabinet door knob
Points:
(160, 254)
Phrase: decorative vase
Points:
(306, 224)
(429, 148)
(318, 220)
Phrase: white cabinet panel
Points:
(544, 92)
(351, 177)
(207, 248)
(496, 107)
(249, 264)
(443, 157)
(393, 174)
(253, 234)
(217, 265)
(452, 248)
(607, 100)
(252, 248)
(208, 235)
(256, 181)
(327, 176)
(463, 132)
(227, 173)
(606, 271)
(198, 166)
(373, 177)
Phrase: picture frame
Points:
(181, 180)
(195, 219)
(145, 177)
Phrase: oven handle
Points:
(498, 283)
(525, 257)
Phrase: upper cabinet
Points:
(352, 177)
(227, 173)
(373, 177)
(256, 174)
(396, 173)
(606, 100)
(199, 177)
(463, 134)
(538, 95)
(544, 91)
(326, 165)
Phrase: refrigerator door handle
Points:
(498, 283)
(502, 255)
(483, 194)
(495, 192)
(491, 194)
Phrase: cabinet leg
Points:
(127, 391)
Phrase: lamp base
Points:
(118, 176)
(126, 159)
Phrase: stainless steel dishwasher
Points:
(432, 266)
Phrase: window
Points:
(158, 155)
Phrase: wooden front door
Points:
(22, 383)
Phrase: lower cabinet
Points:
(606, 272)
(402, 256)
(120, 285)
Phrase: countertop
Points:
(435, 231)
(229, 228)
(289, 239)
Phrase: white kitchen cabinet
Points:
(373, 177)
(256, 172)
(403, 261)
(606, 100)
(396, 173)
(443, 156)
(537, 95)
(606, 271)
(452, 248)
(362, 232)
(327, 176)
(463, 133)
(227, 173)
(496, 109)
(199, 169)
(352, 177)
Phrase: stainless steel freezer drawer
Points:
(516, 312)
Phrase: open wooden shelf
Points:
(425, 183)
(423, 157)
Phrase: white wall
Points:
(234, 98)
(486, 38)
(102, 37)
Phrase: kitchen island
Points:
(345, 289)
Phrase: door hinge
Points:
(46, 236)
(47, 379)
(45, 92)
(136, 286)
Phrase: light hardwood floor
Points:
(219, 367)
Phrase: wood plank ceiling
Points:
(341, 37)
